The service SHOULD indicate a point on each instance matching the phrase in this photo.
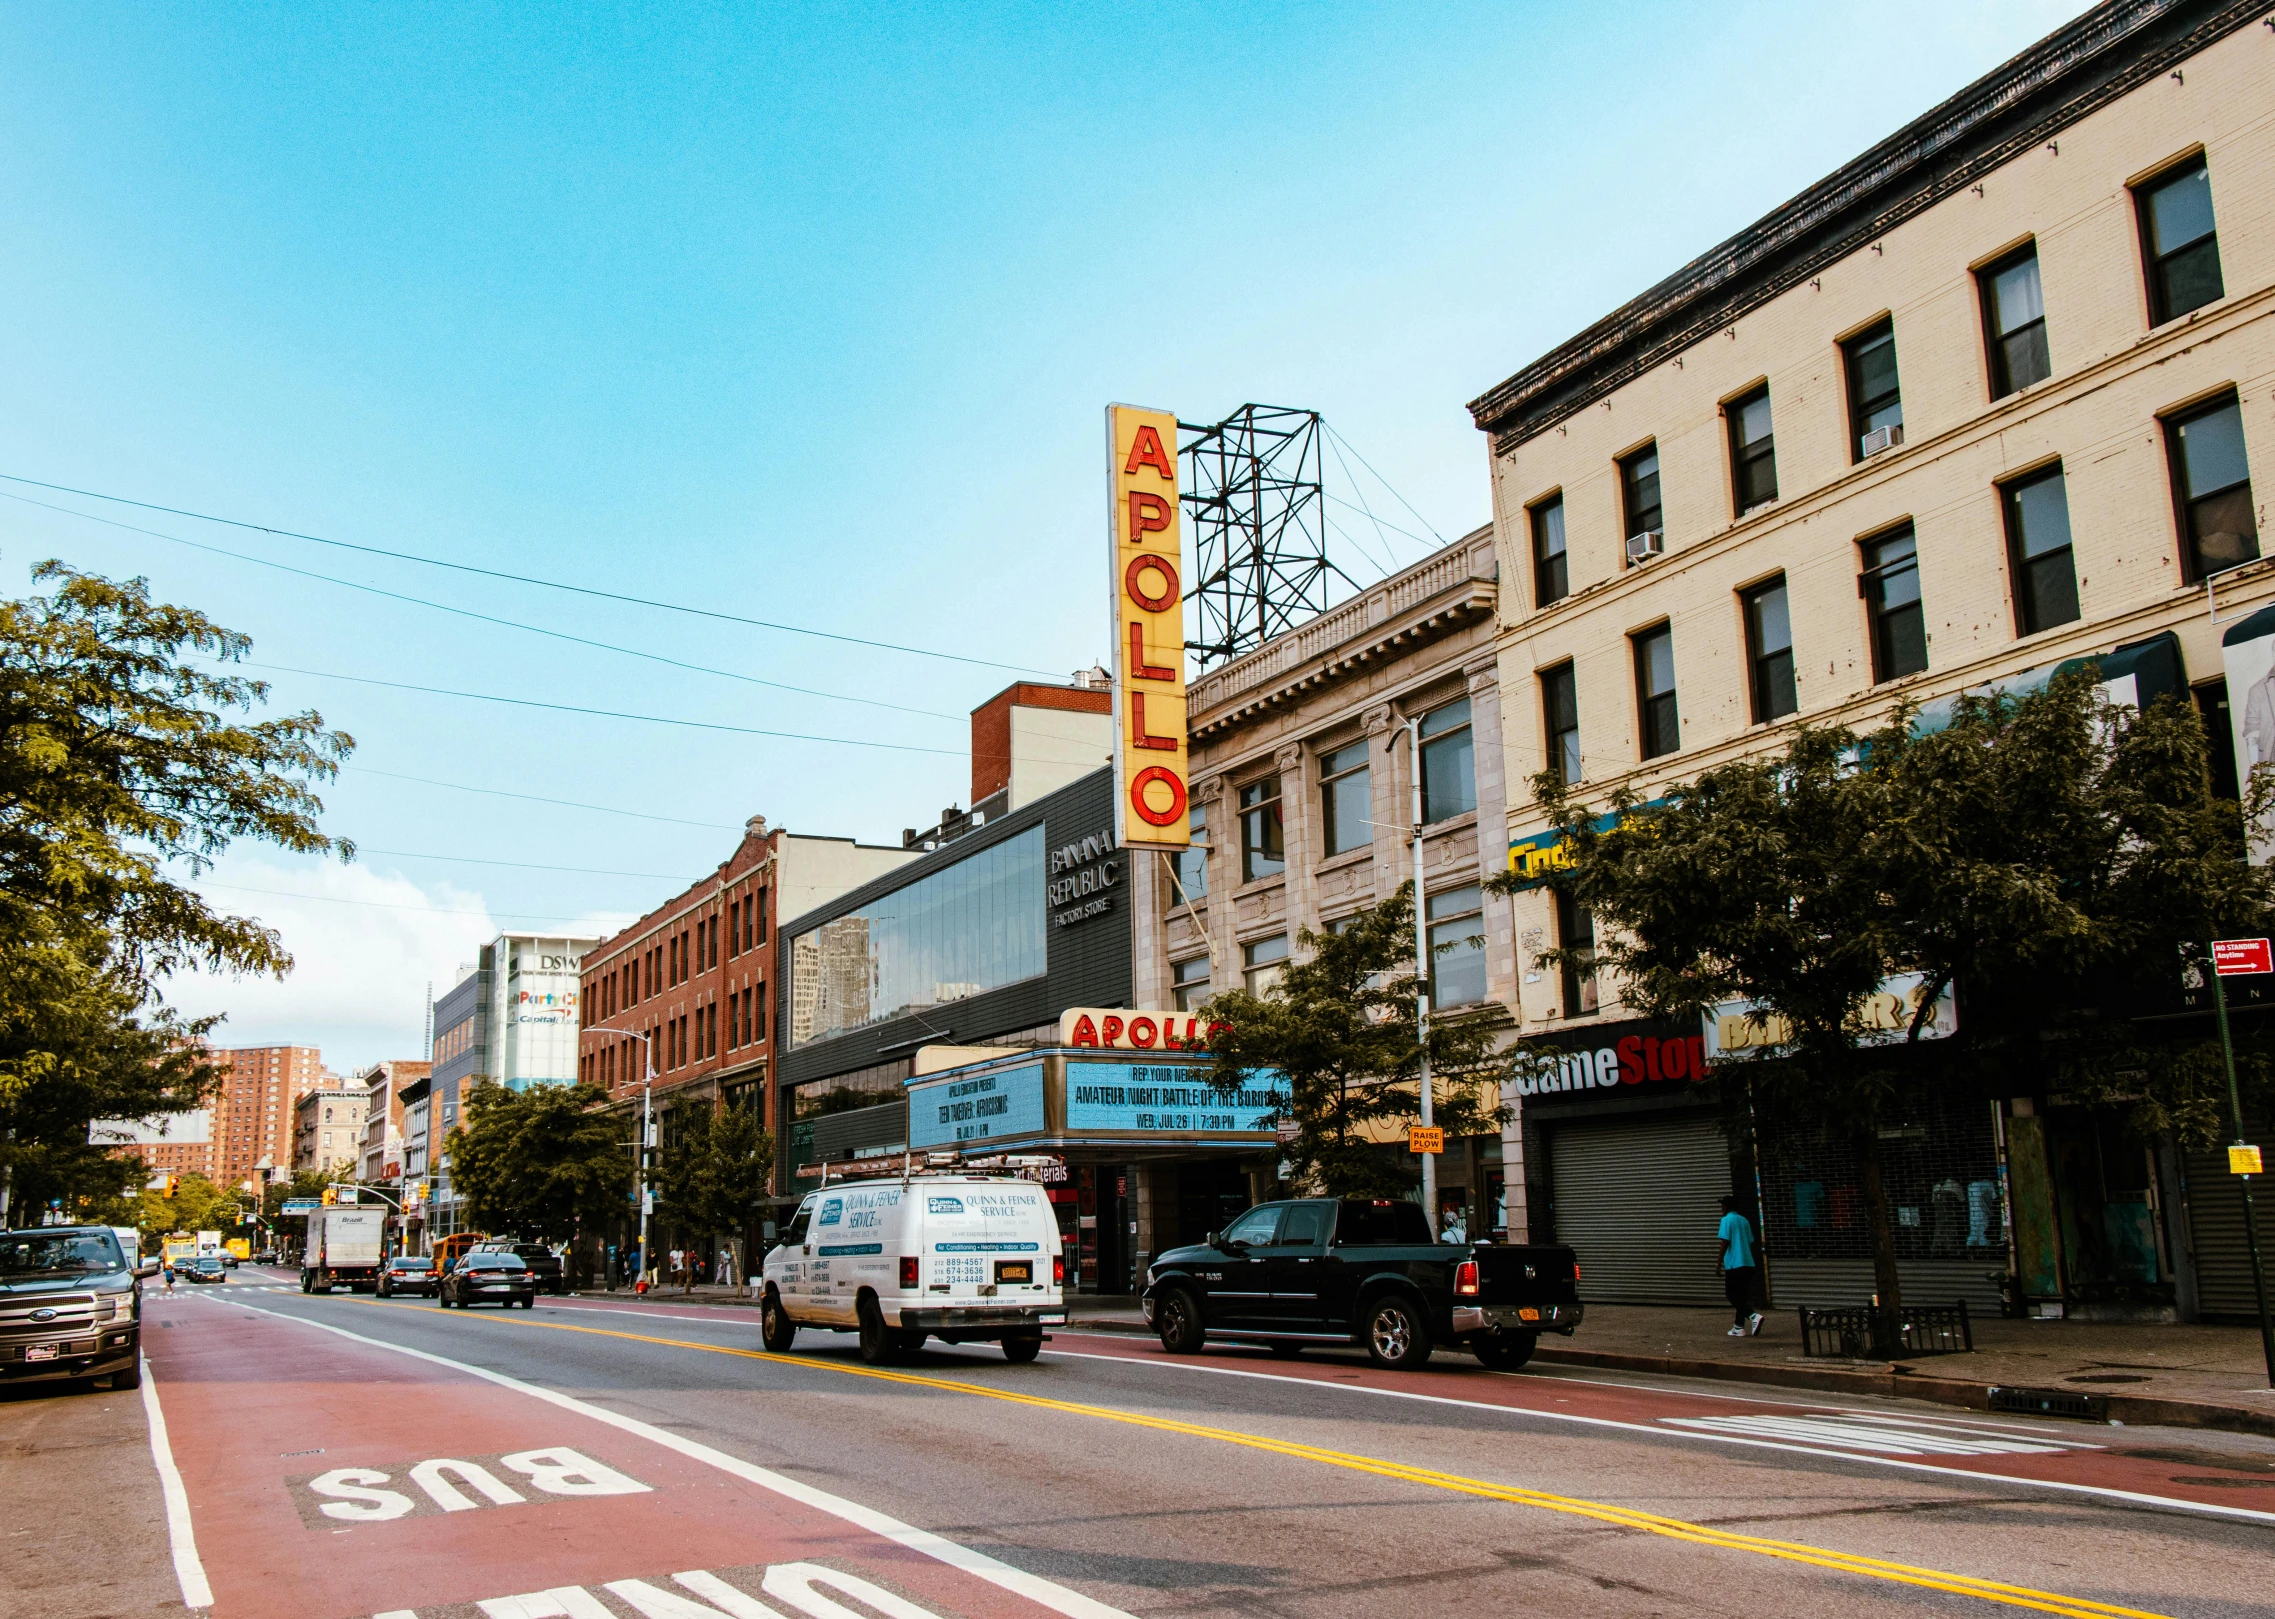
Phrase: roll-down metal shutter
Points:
(2215, 1228)
(1639, 1200)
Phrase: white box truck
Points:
(346, 1247)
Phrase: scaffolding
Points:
(1254, 502)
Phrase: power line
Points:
(467, 612)
(523, 579)
(384, 905)
(515, 865)
(532, 798)
(608, 713)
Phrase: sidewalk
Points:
(2179, 1376)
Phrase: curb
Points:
(2131, 1410)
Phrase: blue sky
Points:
(805, 314)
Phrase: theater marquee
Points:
(1150, 775)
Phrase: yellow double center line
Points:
(2014, 1596)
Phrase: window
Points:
(1264, 962)
(758, 1014)
(1560, 718)
(976, 925)
(1345, 797)
(2038, 552)
(2178, 240)
(758, 919)
(1639, 491)
(1256, 1227)
(1655, 692)
(1753, 452)
(1576, 931)
(2014, 321)
(1449, 774)
(1191, 863)
(1551, 569)
(1190, 983)
(1263, 836)
(1457, 946)
(1769, 651)
(2212, 481)
(1875, 402)
(1891, 591)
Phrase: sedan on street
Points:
(489, 1278)
(406, 1273)
(206, 1269)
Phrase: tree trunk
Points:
(1889, 1290)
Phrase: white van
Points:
(961, 1258)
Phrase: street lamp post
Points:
(1422, 972)
(647, 1130)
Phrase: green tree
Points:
(195, 1205)
(2051, 855)
(540, 1162)
(1340, 1025)
(122, 773)
(713, 1177)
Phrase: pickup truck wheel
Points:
(1022, 1349)
(877, 1345)
(1397, 1336)
(775, 1328)
(1178, 1319)
(1505, 1353)
(127, 1378)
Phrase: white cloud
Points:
(364, 946)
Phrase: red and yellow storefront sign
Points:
(1150, 766)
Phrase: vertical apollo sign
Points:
(1150, 778)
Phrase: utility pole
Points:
(2242, 1152)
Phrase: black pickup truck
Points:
(1323, 1271)
(544, 1264)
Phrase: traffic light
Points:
(172, 1181)
(331, 1196)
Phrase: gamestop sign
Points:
(1656, 1054)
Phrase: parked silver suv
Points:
(70, 1307)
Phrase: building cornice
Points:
(1444, 593)
(2070, 74)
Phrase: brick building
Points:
(1979, 404)
(253, 1115)
(695, 975)
(327, 1125)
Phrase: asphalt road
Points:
(345, 1456)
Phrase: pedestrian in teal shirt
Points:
(1741, 1270)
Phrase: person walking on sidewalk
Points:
(1741, 1270)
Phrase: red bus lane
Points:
(2100, 1459)
(329, 1477)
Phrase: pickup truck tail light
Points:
(909, 1263)
(1465, 1278)
(1058, 1270)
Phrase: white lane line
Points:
(1901, 1439)
(1967, 1475)
(1047, 1593)
(188, 1569)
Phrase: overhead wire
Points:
(1362, 494)
(1379, 478)
(513, 865)
(386, 905)
(467, 612)
(532, 798)
(606, 713)
(523, 579)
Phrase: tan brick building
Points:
(328, 1125)
(1987, 399)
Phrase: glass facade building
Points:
(977, 925)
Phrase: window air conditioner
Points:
(1642, 547)
(1883, 438)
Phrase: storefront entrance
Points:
(1638, 1200)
